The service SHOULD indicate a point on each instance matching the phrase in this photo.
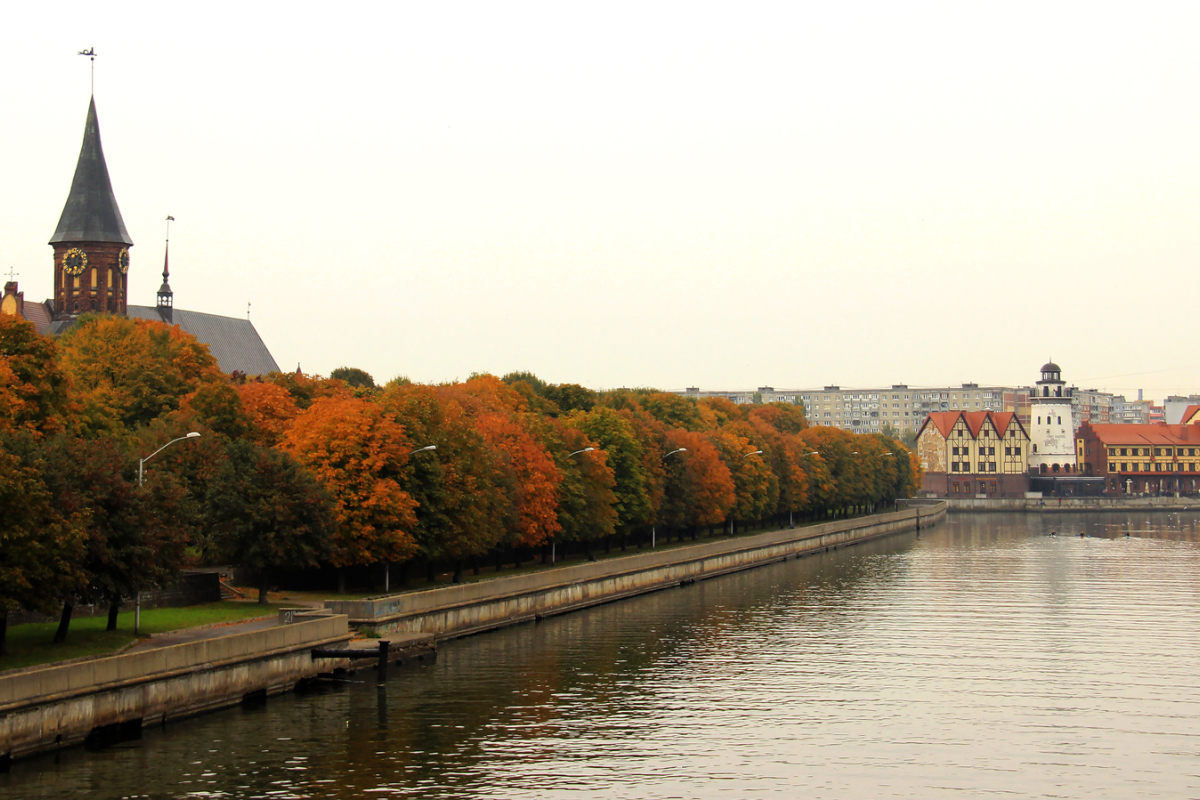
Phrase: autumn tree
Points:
(755, 485)
(269, 409)
(462, 491)
(625, 455)
(586, 500)
(353, 377)
(268, 512)
(33, 389)
(358, 451)
(699, 487)
(126, 372)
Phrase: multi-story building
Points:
(1174, 406)
(1091, 405)
(973, 454)
(1142, 459)
(1130, 412)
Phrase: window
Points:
(1112, 467)
(1123, 452)
(991, 451)
(1060, 420)
(991, 466)
(955, 449)
(1112, 451)
(954, 468)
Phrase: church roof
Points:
(233, 342)
(91, 213)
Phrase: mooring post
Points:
(383, 659)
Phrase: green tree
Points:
(353, 377)
(269, 513)
(41, 548)
(625, 456)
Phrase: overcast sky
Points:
(684, 194)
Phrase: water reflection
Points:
(984, 657)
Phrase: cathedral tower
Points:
(91, 245)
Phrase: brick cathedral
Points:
(92, 268)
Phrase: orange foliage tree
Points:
(270, 408)
(699, 487)
(359, 452)
(33, 390)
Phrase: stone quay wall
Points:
(465, 609)
(1076, 504)
(44, 708)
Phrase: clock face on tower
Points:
(74, 261)
(123, 260)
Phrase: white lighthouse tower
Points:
(1051, 429)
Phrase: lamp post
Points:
(654, 528)
(137, 596)
(744, 455)
(142, 461)
(553, 541)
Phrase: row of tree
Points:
(293, 471)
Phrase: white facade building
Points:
(1051, 428)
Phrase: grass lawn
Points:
(30, 644)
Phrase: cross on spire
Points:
(12, 273)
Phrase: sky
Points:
(679, 194)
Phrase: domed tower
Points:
(1051, 429)
(91, 245)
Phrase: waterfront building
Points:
(1051, 430)
(1142, 459)
(973, 454)
(91, 272)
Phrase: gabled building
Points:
(973, 454)
(91, 271)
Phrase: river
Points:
(983, 657)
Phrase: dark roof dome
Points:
(91, 213)
(1050, 366)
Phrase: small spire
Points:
(166, 298)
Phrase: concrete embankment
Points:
(106, 699)
(1076, 504)
(466, 609)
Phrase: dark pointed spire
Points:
(91, 213)
(166, 298)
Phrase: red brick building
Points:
(1141, 459)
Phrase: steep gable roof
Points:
(1191, 415)
(233, 342)
(91, 213)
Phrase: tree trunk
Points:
(458, 570)
(263, 583)
(402, 574)
(475, 564)
(3, 632)
(341, 575)
(499, 559)
(113, 608)
(64, 622)
(430, 575)
(607, 545)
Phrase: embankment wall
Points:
(1076, 504)
(466, 609)
(42, 708)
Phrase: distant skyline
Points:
(666, 195)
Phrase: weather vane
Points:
(91, 53)
(170, 219)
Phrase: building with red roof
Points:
(1143, 459)
(974, 454)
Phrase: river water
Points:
(983, 657)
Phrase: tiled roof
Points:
(1189, 415)
(91, 213)
(39, 315)
(1153, 434)
(946, 420)
(233, 342)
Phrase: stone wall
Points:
(465, 609)
(1077, 504)
(42, 708)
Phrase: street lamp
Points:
(755, 453)
(423, 449)
(142, 461)
(553, 541)
(137, 596)
(654, 528)
(584, 450)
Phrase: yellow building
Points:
(974, 454)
